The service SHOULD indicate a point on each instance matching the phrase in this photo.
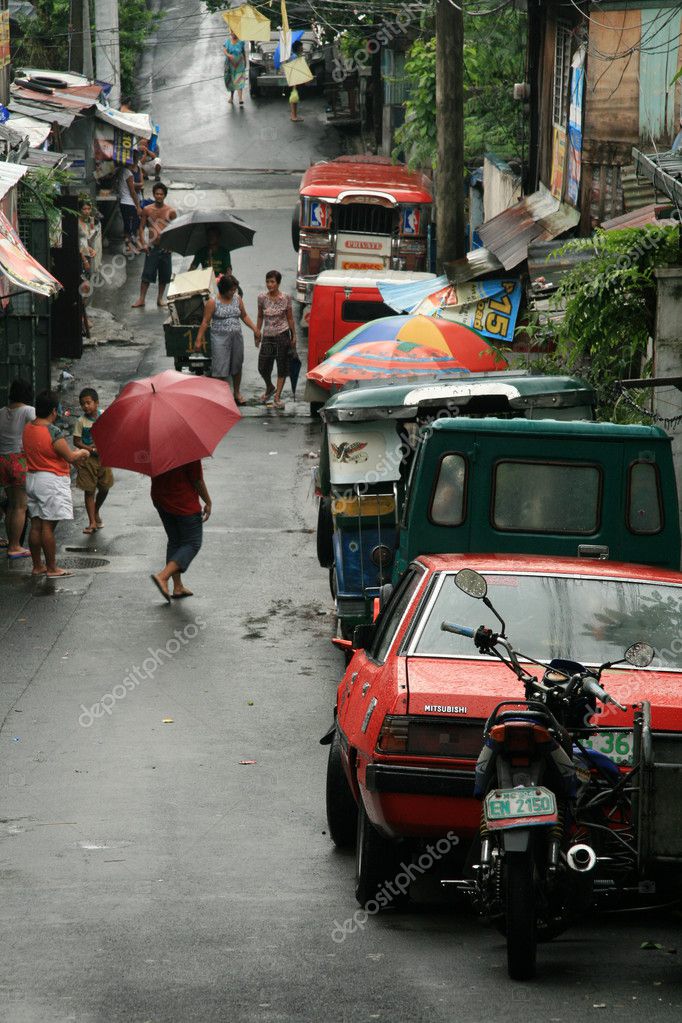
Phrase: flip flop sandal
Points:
(166, 596)
(181, 596)
(20, 554)
(57, 575)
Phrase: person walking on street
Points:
(92, 477)
(294, 98)
(175, 495)
(276, 336)
(222, 314)
(48, 483)
(13, 418)
(129, 202)
(158, 261)
(235, 67)
(213, 254)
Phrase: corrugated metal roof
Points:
(10, 176)
(50, 115)
(29, 127)
(11, 135)
(637, 191)
(76, 99)
(536, 217)
(664, 170)
(45, 158)
(641, 218)
(475, 264)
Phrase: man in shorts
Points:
(157, 262)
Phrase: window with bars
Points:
(562, 73)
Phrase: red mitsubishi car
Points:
(412, 704)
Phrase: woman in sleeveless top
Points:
(222, 315)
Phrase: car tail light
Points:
(423, 736)
(393, 734)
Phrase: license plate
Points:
(618, 746)
(521, 806)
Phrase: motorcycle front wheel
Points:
(520, 912)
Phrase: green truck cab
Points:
(369, 439)
(572, 489)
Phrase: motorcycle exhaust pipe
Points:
(581, 858)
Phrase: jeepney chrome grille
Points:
(364, 218)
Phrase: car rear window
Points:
(645, 505)
(585, 620)
(358, 311)
(546, 497)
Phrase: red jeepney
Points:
(360, 213)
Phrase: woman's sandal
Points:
(266, 398)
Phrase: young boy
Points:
(92, 476)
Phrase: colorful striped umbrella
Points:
(473, 351)
(376, 360)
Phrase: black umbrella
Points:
(187, 234)
(294, 370)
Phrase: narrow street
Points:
(164, 847)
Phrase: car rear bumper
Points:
(420, 802)
(419, 781)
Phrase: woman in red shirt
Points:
(175, 495)
(48, 482)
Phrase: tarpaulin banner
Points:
(17, 264)
(575, 124)
(490, 307)
(124, 144)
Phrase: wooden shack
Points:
(600, 79)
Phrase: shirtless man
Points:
(157, 260)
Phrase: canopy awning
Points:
(139, 125)
(19, 266)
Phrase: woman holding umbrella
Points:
(223, 314)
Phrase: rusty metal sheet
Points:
(536, 217)
(641, 218)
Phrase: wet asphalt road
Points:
(149, 875)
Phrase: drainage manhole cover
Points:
(83, 562)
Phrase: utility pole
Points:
(107, 47)
(450, 238)
(86, 39)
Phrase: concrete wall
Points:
(668, 356)
(501, 186)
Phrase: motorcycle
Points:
(557, 829)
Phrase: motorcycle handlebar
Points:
(458, 630)
(592, 687)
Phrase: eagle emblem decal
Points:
(350, 453)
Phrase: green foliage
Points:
(44, 41)
(37, 194)
(610, 304)
(417, 136)
(494, 57)
(136, 23)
